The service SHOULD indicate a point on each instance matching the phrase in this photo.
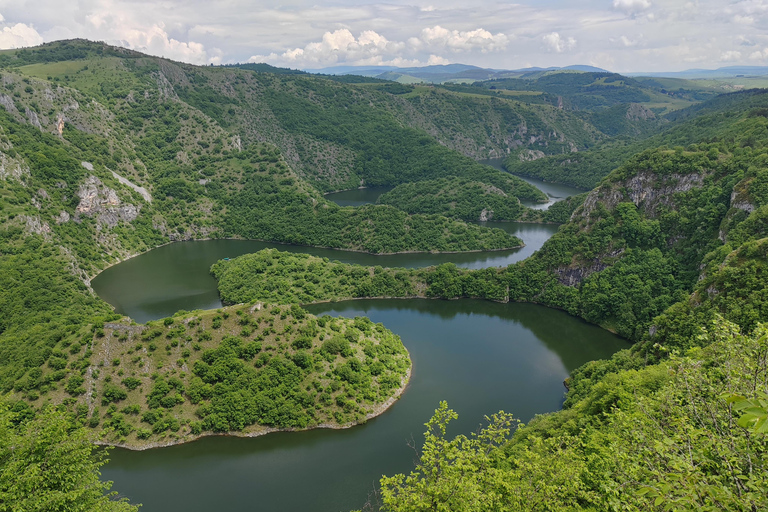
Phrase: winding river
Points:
(479, 356)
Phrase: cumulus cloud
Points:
(340, 45)
(372, 48)
(759, 55)
(631, 5)
(730, 56)
(462, 41)
(19, 35)
(632, 35)
(156, 41)
(556, 43)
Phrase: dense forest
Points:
(106, 153)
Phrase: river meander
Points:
(162, 281)
(479, 356)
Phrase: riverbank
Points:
(474, 251)
(231, 370)
(261, 430)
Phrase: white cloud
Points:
(632, 35)
(627, 41)
(461, 41)
(743, 20)
(19, 36)
(730, 56)
(435, 60)
(156, 41)
(631, 5)
(557, 43)
(759, 55)
(372, 48)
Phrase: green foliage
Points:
(47, 464)
(661, 438)
(274, 391)
(462, 198)
(267, 211)
(455, 474)
(727, 121)
(732, 287)
(284, 278)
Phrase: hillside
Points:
(106, 153)
(710, 120)
(102, 158)
(670, 252)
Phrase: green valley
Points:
(106, 153)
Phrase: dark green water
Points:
(479, 356)
(173, 277)
(555, 191)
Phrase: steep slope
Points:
(101, 158)
(713, 120)
(670, 251)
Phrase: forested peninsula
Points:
(106, 153)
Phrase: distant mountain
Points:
(442, 73)
(724, 72)
(353, 70)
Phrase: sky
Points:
(618, 35)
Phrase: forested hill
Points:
(105, 153)
(332, 134)
(670, 251)
(710, 120)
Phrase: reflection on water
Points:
(479, 356)
(162, 281)
(555, 191)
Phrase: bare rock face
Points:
(62, 218)
(35, 226)
(647, 190)
(98, 199)
(7, 103)
(60, 124)
(529, 155)
(33, 119)
(637, 112)
(486, 215)
(12, 168)
(574, 275)
(740, 200)
(141, 190)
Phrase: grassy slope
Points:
(64, 216)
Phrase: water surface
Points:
(165, 280)
(555, 191)
(479, 356)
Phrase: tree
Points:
(457, 474)
(47, 464)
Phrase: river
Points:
(162, 281)
(479, 356)
(555, 191)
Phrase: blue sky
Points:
(620, 35)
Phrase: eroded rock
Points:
(98, 199)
